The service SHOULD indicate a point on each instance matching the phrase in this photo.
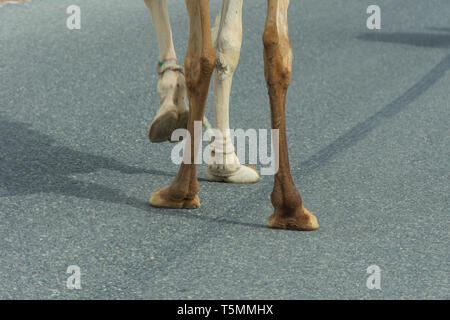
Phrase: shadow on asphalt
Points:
(430, 40)
(30, 162)
(362, 129)
(439, 29)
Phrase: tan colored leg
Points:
(289, 211)
(160, 16)
(199, 64)
(227, 37)
(173, 111)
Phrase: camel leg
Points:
(289, 211)
(227, 39)
(173, 111)
(199, 64)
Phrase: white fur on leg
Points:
(226, 167)
(173, 112)
(161, 21)
(227, 37)
(243, 175)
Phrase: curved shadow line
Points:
(360, 131)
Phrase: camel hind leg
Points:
(289, 211)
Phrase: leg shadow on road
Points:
(30, 162)
(441, 29)
(430, 40)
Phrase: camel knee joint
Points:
(227, 49)
(278, 57)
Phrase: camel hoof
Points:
(245, 174)
(304, 221)
(160, 199)
(165, 124)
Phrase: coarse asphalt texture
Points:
(368, 131)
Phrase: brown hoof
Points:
(164, 125)
(303, 221)
(160, 198)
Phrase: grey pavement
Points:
(368, 131)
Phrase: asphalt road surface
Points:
(368, 131)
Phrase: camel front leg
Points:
(199, 65)
(160, 16)
(173, 111)
(289, 211)
(227, 38)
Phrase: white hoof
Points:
(245, 174)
